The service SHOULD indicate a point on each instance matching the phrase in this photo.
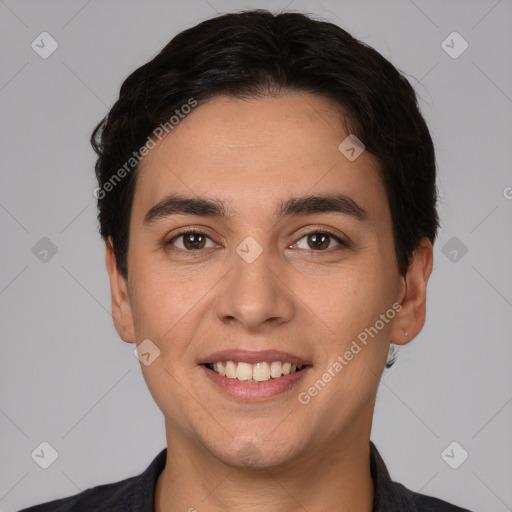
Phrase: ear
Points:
(121, 306)
(411, 318)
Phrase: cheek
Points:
(351, 303)
(350, 298)
(161, 304)
(169, 308)
(165, 312)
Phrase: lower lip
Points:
(255, 391)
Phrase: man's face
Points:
(303, 285)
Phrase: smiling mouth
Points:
(259, 372)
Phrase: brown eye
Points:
(194, 241)
(189, 241)
(319, 241)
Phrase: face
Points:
(246, 276)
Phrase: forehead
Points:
(252, 153)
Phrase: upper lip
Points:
(253, 357)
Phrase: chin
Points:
(249, 456)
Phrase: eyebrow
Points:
(175, 204)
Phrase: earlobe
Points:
(411, 318)
(121, 307)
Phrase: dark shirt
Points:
(136, 494)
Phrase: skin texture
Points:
(251, 155)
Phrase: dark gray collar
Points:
(389, 496)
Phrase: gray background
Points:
(68, 379)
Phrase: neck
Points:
(335, 476)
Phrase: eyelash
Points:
(168, 244)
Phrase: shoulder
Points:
(134, 494)
(390, 496)
(90, 499)
(424, 503)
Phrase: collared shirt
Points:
(136, 494)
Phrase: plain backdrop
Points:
(68, 379)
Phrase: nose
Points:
(255, 295)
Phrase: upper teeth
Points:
(258, 372)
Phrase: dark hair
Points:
(257, 54)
